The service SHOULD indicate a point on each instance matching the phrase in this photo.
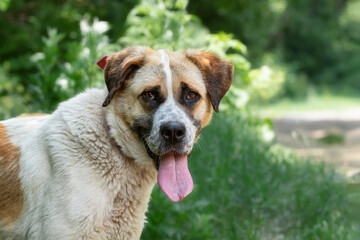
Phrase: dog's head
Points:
(164, 99)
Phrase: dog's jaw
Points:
(152, 155)
(120, 131)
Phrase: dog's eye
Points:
(191, 96)
(149, 95)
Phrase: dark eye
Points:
(149, 95)
(191, 96)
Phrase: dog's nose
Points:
(173, 131)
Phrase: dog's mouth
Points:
(174, 177)
(152, 155)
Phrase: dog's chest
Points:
(123, 216)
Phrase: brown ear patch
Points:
(11, 193)
(217, 74)
(120, 67)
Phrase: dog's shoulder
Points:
(80, 119)
(83, 109)
(25, 142)
(30, 145)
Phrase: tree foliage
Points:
(317, 39)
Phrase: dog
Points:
(87, 170)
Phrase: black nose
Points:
(173, 131)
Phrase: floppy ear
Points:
(217, 74)
(121, 66)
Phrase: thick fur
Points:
(84, 172)
(76, 182)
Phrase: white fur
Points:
(77, 184)
(166, 63)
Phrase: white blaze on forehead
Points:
(166, 63)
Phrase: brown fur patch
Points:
(32, 115)
(207, 115)
(184, 71)
(217, 74)
(121, 66)
(11, 194)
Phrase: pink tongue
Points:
(174, 177)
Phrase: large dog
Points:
(87, 170)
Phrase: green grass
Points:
(315, 102)
(247, 189)
(332, 138)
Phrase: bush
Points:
(43, 64)
(65, 67)
(320, 38)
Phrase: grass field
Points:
(315, 102)
(248, 189)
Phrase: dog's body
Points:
(87, 170)
(73, 176)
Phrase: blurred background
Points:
(282, 158)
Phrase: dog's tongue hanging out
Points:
(174, 177)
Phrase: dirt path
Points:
(307, 132)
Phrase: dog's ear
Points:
(121, 66)
(217, 74)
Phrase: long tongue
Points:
(174, 177)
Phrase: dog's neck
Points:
(112, 139)
(131, 196)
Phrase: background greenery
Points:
(246, 186)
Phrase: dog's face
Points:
(166, 98)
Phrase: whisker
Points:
(199, 144)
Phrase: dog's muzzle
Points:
(171, 137)
(172, 132)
